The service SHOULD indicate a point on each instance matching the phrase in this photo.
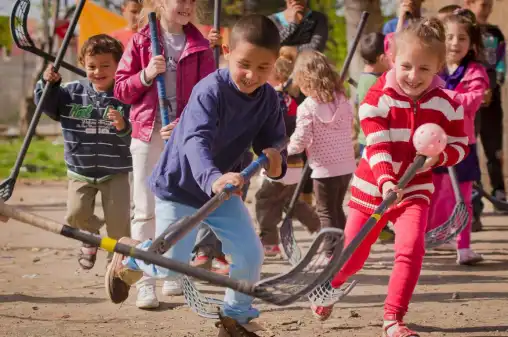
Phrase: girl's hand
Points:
(156, 66)
(50, 75)
(215, 38)
(167, 130)
(232, 178)
(116, 117)
(391, 187)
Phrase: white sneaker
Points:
(468, 257)
(172, 288)
(147, 299)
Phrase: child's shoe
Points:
(87, 256)
(394, 328)
(221, 265)
(172, 288)
(321, 313)
(272, 250)
(147, 299)
(202, 260)
(468, 257)
(228, 327)
(119, 279)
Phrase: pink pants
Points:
(410, 221)
(442, 204)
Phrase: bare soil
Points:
(43, 292)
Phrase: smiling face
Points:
(415, 67)
(100, 70)
(250, 66)
(458, 42)
(179, 11)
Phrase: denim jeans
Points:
(232, 224)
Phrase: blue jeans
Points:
(232, 224)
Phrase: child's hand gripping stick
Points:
(179, 229)
(161, 87)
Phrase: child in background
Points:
(469, 81)
(228, 112)
(446, 11)
(130, 11)
(323, 128)
(96, 131)
(186, 59)
(402, 99)
(274, 195)
(489, 122)
(376, 63)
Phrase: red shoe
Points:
(272, 250)
(221, 266)
(321, 313)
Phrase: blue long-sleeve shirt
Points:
(217, 126)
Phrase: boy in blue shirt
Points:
(228, 111)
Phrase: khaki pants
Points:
(115, 194)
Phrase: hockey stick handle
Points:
(343, 72)
(38, 110)
(111, 245)
(180, 228)
(455, 184)
(216, 25)
(161, 85)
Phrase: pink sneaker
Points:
(321, 313)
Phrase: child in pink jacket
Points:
(324, 125)
(467, 82)
(186, 59)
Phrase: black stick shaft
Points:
(38, 111)
(216, 25)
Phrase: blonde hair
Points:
(429, 32)
(155, 6)
(316, 76)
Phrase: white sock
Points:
(391, 330)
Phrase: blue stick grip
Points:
(161, 86)
(255, 166)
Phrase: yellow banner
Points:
(97, 20)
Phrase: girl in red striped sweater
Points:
(403, 98)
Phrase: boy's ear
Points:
(226, 51)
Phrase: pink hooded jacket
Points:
(324, 130)
(195, 63)
(469, 93)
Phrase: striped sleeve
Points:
(453, 124)
(374, 113)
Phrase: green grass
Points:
(42, 161)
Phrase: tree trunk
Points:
(27, 105)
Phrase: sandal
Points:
(119, 279)
(87, 256)
(400, 331)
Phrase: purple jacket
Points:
(195, 63)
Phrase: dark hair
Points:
(467, 18)
(101, 44)
(448, 9)
(372, 46)
(258, 30)
(429, 32)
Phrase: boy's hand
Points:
(215, 38)
(156, 66)
(50, 75)
(406, 6)
(274, 162)
(232, 178)
(391, 187)
(167, 130)
(116, 117)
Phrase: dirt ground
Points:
(44, 293)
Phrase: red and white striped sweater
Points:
(389, 118)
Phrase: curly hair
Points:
(316, 76)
